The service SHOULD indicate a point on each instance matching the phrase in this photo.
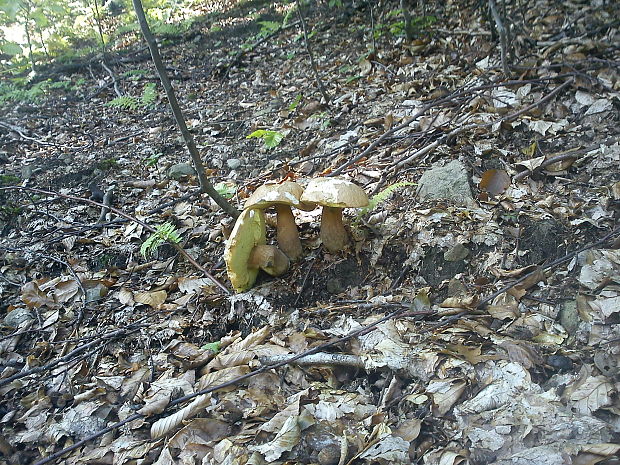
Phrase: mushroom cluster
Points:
(246, 249)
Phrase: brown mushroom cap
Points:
(286, 193)
(283, 197)
(334, 194)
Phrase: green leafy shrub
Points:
(19, 91)
(107, 164)
(8, 180)
(135, 73)
(164, 233)
(126, 102)
(226, 189)
(271, 139)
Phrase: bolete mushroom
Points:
(334, 194)
(282, 197)
(246, 252)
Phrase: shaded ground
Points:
(93, 332)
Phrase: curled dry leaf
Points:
(152, 299)
(494, 182)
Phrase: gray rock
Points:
(456, 253)
(180, 170)
(569, 316)
(233, 163)
(27, 171)
(16, 317)
(449, 182)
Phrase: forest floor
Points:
(469, 321)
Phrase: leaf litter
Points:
(93, 334)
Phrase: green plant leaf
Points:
(212, 346)
(149, 94)
(295, 102)
(271, 139)
(10, 48)
(382, 196)
(125, 101)
(226, 189)
(164, 233)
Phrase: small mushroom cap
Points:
(287, 193)
(334, 192)
(249, 231)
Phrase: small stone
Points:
(569, 316)
(456, 253)
(334, 286)
(329, 455)
(18, 316)
(27, 171)
(449, 182)
(560, 362)
(180, 170)
(233, 163)
(306, 167)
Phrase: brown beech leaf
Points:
(33, 297)
(494, 182)
(152, 299)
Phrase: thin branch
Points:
(566, 155)
(501, 30)
(259, 42)
(146, 226)
(459, 130)
(315, 70)
(68, 357)
(548, 266)
(321, 358)
(436, 103)
(205, 185)
(114, 80)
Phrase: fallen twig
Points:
(320, 358)
(243, 52)
(68, 357)
(107, 201)
(446, 99)
(232, 382)
(501, 31)
(548, 266)
(566, 155)
(146, 226)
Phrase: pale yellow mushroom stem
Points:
(287, 233)
(333, 233)
(269, 259)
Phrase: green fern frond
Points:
(135, 73)
(125, 102)
(149, 94)
(164, 233)
(382, 196)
